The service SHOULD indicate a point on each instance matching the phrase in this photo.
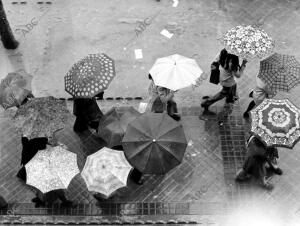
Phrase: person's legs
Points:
(272, 161)
(219, 96)
(230, 97)
(79, 125)
(137, 176)
(249, 108)
(172, 110)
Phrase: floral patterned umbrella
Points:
(276, 122)
(14, 88)
(280, 72)
(90, 76)
(248, 42)
(51, 169)
(41, 117)
(106, 171)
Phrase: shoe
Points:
(205, 97)
(246, 114)
(278, 171)
(268, 185)
(204, 106)
(242, 175)
(176, 117)
(36, 199)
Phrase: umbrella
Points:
(106, 171)
(51, 169)
(113, 125)
(90, 76)
(14, 88)
(154, 143)
(280, 72)
(41, 117)
(248, 42)
(276, 122)
(175, 72)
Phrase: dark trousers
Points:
(228, 92)
(81, 124)
(136, 175)
(172, 107)
(250, 106)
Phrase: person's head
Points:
(232, 62)
(150, 77)
(223, 56)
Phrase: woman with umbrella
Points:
(162, 99)
(229, 68)
(259, 93)
(257, 161)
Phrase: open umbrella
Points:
(106, 171)
(14, 88)
(51, 169)
(154, 143)
(113, 125)
(175, 72)
(280, 72)
(41, 117)
(90, 76)
(248, 42)
(276, 122)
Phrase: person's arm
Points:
(240, 71)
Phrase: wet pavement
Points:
(203, 184)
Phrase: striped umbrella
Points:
(276, 122)
(280, 72)
(106, 171)
(90, 76)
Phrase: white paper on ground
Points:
(166, 33)
(142, 107)
(138, 54)
(175, 3)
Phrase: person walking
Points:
(88, 114)
(229, 68)
(49, 198)
(162, 99)
(259, 93)
(258, 160)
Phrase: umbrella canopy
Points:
(248, 42)
(14, 88)
(280, 72)
(276, 122)
(113, 125)
(106, 171)
(90, 76)
(154, 143)
(41, 117)
(175, 72)
(51, 169)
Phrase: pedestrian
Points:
(162, 99)
(29, 150)
(49, 198)
(259, 93)
(258, 160)
(229, 68)
(88, 114)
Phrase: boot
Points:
(242, 175)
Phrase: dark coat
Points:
(87, 109)
(30, 148)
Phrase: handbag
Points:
(215, 74)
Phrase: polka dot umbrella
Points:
(90, 76)
(276, 123)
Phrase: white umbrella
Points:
(106, 171)
(175, 72)
(52, 169)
